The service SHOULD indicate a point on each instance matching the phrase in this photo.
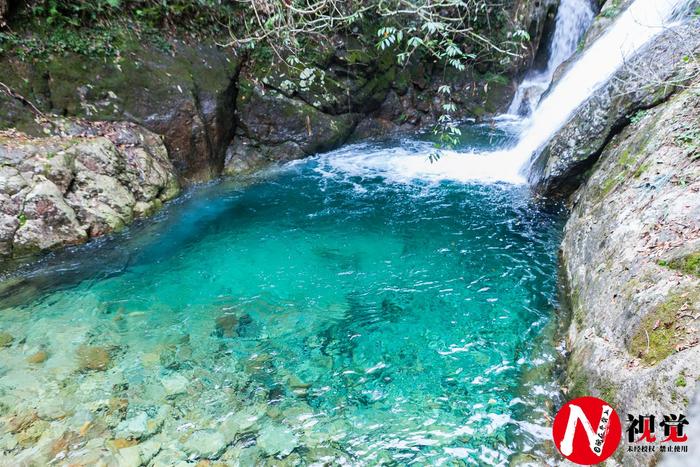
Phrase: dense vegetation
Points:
(455, 31)
(452, 34)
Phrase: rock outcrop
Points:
(628, 161)
(630, 254)
(219, 112)
(186, 94)
(63, 190)
(649, 78)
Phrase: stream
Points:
(364, 306)
(339, 309)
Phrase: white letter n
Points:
(576, 415)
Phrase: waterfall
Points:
(642, 20)
(574, 17)
(632, 29)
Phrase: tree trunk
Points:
(3, 11)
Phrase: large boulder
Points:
(185, 94)
(63, 190)
(271, 127)
(630, 257)
(649, 78)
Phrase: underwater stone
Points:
(227, 326)
(6, 339)
(148, 450)
(38, 357)
(175, 384)
(205, 443)
(92, 358)
(135, 427)
(129, 457)
(277, 439)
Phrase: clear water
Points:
(378, 320)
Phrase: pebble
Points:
(277, 440)
(121, 443)
(227, 326)
(129, 457)
(240, 422)
(37, 358)
(135, 427)
(175, 384)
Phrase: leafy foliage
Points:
(456, 34)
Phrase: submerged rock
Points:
(38, 357)
(93, 358)
(6, 339)
(226, 325)
(208, 444)
(134, 427)
(175, 384)
(277, 440)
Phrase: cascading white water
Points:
(574, 17)
(642, 20)
(636, 26)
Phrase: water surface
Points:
(345, 313)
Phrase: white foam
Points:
(411, 163)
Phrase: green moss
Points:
(641, 169)
(609, 184)
(689, 264)
(611, 10)
(637, 117)
(680, 381)
(577, 308)
(626, 163)
(22, 219)
(608, 392)
(627, 158)
(576, 380)
(656, 336)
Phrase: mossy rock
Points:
(658, 334)
(186, 96)
(93, 358)
(689, 264)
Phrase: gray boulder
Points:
(63, 190)
(650, 77)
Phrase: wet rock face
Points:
(275, 128)
(649, 78)
(628, 256)
(62, 190)
(187, 97)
